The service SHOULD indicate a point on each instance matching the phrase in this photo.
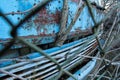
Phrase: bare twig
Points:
(63, 26)
(106, 77)
(24, 12)
(109, 35)
(78, 11)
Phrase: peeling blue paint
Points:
(46, 22)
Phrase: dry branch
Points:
(63, 37)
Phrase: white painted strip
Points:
(36, 65)
(23, 63)
(29, 65)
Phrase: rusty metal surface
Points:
(42, 27)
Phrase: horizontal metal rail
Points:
(42, 57)
(52, 70)
(67, 66)
(45, 63)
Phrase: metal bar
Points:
(40, 58)
(75, 54)
(56, 55)
(46, 55)
(48, 63)
(11, 74)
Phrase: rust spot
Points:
(18, 18)
(43, 17)
(34, 4)
(59, 1)
(18, 11)
(13, 13)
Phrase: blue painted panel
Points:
(6, 63)
(42, 27)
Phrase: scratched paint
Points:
(42, 27)
(45, 23)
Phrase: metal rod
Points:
(11, 74)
